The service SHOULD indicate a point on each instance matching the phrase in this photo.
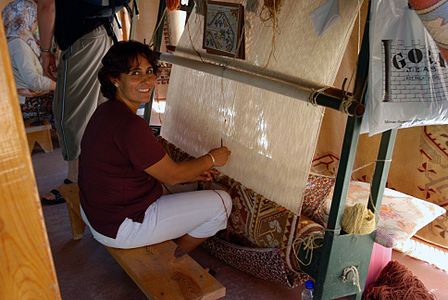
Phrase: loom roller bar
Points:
(330, 97)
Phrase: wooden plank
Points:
(26, 265)
(70, 192)
(29, 128)
(161, 275)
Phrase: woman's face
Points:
(134, 87)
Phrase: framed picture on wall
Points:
(223, 29)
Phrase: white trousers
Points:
(200, 214)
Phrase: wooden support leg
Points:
(70, 192)
(39, 134)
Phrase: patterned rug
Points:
(40, 104)
(262, 236)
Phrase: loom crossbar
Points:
(322, 95)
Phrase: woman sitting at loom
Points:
(122, 166)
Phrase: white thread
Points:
(345, 105)
(310, 243)
(315, 93)
(354, 277)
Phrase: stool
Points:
(39, 134)
(157, 271)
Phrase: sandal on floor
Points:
(58, 199)
(67, 181)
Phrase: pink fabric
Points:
(378, 260)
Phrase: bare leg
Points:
(72, 173)
(188, 243)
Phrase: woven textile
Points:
(316, 190)
(266, 263)
(268, 133)
(39, 104)
(260, 233)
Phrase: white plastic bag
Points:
(407, 75)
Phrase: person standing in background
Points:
(83, 41)
(20, 21)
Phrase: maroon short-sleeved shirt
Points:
(116, 148)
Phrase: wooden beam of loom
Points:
(27, 270)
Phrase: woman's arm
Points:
(28, 68)
(170, 172)
(46, 16)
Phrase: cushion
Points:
(401, 215)
(263, 263)
(316, 190)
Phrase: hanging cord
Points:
(191, 41)
(354, 278)
(346, 102)
(271, 9)
(223, 204)
(308, 244)
(345, 105)
(312, 98)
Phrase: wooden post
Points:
(124, 25)
(26, 265)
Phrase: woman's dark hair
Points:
(120, 58)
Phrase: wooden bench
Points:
(39, 134)
(155, 269)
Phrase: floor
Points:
(85, 270)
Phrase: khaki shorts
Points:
(77, 93)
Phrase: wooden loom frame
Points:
(341, 252)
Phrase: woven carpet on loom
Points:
(267, 133)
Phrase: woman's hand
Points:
(220, 156)
(48, 61)
(168, 171)
(207, 175)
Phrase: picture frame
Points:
(223, 29)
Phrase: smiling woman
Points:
(122, 166)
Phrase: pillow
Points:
(316, 189)
(401, 215)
